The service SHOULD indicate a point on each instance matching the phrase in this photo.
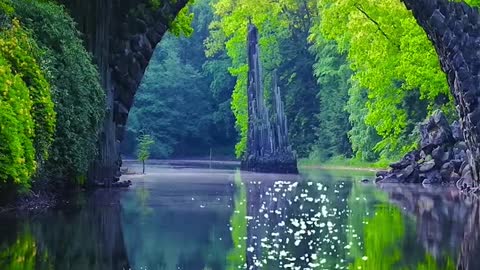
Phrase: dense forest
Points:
(357, 79)
(184, 99)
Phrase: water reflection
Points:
(207, 219)
(322, 221)
(86, 235)
(448, 222)
(178, 224)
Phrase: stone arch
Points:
(121, 35)
(454, 29)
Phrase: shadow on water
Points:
(84, 235)
(447, 220)
(206, 219)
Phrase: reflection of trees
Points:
(87, 237)
(386, 244)
(382, 240)
(296, 223)
(236, 258)
(447, 223)
(324, 222)
(177, 224)
(361, 205)
(23, 254)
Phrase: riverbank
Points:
(343, 164)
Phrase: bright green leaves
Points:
(145, 142)
(6, 7)
(27, 119)
(229, 33)
(76, 90)
(182, 25)
(390, 55)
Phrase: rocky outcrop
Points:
(121, 34)
(268, 149)
(442, 157)
(454, 29)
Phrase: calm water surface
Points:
(191, 216)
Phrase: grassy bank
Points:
(342, 163)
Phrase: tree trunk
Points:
(143, 164)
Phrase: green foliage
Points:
(182, 25)
(229, 32)
(473, 3)
(333, 75)
(363, 137)
(391, 57)
(79, 98)
(27, 117)
(237, 256)
(197, 117)
(283, 27)
(144, 144)
(6, 8)
(171, 119)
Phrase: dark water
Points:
(189, 217)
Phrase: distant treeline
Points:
(356, 78)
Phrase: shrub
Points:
(78, 95)
(27, 118)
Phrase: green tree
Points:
(75, 85)
(228, 33)
(333, 77)
(188, 110)
(393, 60)
(144, 144)
(27, 117)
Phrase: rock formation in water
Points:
(267, 141)
(442, 156)
(454, 29)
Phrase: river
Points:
(201, 216)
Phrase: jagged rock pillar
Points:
(454, 29)
(121, 35)
(267, 139)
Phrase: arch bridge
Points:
(122, 34)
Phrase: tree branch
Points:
(359, 8)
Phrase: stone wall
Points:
(454, 29)
(121, 34)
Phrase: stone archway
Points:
(454, 29)
(121, 35)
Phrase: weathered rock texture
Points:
(121, 34)
(454, 29)
(442, 157)
(267, 141)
